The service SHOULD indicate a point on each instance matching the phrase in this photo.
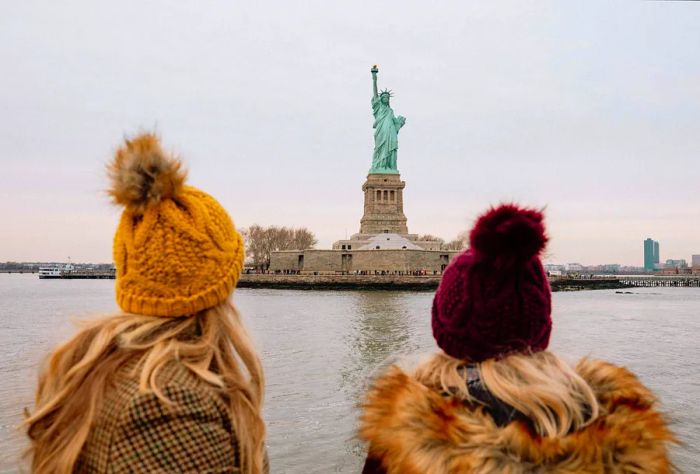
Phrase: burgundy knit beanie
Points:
(494, 299)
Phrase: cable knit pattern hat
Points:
(176, 249)
(494, 299)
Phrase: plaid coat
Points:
(135, 432)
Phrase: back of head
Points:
(178, 258)
(494, 298)
(493, 308)
(176, 249)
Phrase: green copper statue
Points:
(386, 130)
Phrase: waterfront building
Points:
(608, 268)
(680, 263)
(651, 255)
(574, 267)
(656, 253)
(675, 271)
(696, 261)
(675, 267)
(611, 268)
(695, 265)
(553, 267)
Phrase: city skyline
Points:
(589, 111)
(655, 257)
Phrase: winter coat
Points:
(136, 432)
(414, 429)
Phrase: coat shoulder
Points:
(632, 427)
(411, 428)
(614, 384)
(189, 426)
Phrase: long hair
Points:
(212, 344)
(541, 386)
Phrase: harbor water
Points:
(319, 349)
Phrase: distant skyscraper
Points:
(656, 253)
(651, 254)
(696, 261)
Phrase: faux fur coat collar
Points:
(412, 429)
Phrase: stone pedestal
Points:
(383, 205)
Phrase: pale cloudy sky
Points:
(589, 108)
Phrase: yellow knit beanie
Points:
(176, 249)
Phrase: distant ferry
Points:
(69, 272)
(56, 271)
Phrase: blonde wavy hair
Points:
(212, 344)
(541, 386)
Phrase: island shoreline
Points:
(393, 282)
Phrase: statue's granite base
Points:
(383, 212)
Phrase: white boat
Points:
(56, 271)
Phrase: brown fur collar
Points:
(413, 429)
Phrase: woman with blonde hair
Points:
(174, 383)
(495, 400)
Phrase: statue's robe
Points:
(386, 130)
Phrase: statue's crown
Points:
(387, 92)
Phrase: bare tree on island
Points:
(460, 243)
(261, 241)
(430, 237)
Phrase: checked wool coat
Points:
(136, 432)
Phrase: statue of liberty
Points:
(386, 130)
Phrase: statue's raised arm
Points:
(375, 70)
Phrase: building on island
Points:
(383, 245)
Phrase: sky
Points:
(590, 110)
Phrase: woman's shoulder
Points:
(176, 386)
(180, 397)
(401, 419)
(613, 383)
(625, 402)
(132, 420)
(179, 391)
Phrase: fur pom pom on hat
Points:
(494, 299)
(176, 249)
(508, 234)
(142, 174)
